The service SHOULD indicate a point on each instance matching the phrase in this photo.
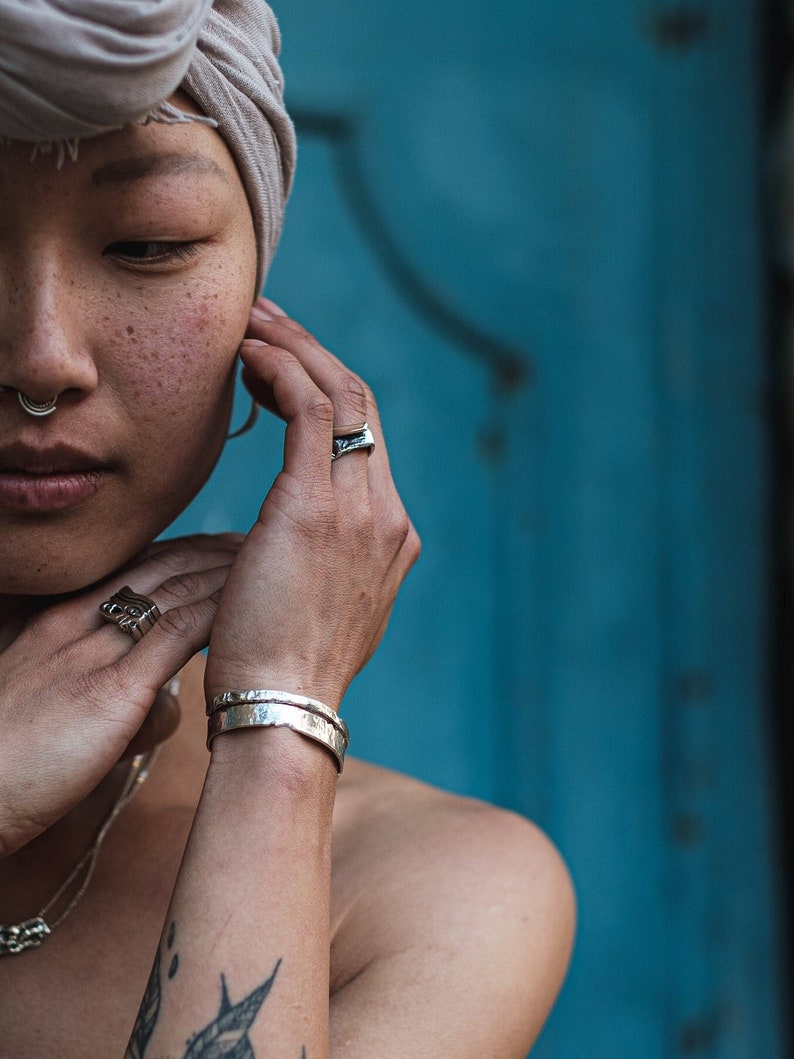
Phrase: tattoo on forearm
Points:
(225, 1037)
(174, 965)
(147, 1015)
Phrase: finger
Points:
(160, 561)
(269, 322)
(326, 370)
(307, 410)
(181, 551)
(181, 590)
(160, 723)
(260, 392)
(270, 306)
(80, 624)
(351, 398)
(179, 634)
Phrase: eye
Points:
(151, 252)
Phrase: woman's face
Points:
(126, 278)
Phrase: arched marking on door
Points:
(510, 367)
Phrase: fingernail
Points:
(251, 344)
(261, 314)
(270, 306)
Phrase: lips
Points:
(47, 479)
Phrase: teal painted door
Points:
(534, 229)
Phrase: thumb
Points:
(160, 723)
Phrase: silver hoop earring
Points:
(253, 415)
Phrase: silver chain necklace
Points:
(29, 934)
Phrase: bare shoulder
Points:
(458, 909)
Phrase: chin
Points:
(60, 575)
(70, 553)
(52, 582)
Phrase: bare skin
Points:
(251, 883)
(409, 974)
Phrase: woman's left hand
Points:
(311, 589)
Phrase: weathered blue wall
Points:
(534, 229)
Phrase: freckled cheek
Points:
(181, 368)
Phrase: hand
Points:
(311, 590)
(74, 690)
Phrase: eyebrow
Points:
(159, 164)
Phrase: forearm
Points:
(250, 909)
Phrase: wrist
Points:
(273, 759)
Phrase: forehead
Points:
(129, 156)
(153, 161)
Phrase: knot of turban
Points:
(76, 68)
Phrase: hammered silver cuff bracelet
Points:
(277, 709)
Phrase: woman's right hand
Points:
(75, 690)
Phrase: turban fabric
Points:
(77, 68)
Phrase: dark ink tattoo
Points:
(147, 1015)
(226, 1037)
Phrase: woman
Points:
(130, 257)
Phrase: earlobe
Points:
(253, 415)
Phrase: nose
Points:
(44, 349)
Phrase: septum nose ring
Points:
(34, 408)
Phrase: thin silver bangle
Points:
(288, 698)
(278, 715)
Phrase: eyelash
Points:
(167, 252)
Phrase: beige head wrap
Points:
(76, 68)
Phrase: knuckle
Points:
(413, 544)
(369, 396)
(402, 537)
(182, 587)
(350, 389)
(48, 625)
(161, 549)
(179, 623)
(171, 561)
(398, 526)
(319, 408)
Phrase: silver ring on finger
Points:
(133, 613)
(353, 439)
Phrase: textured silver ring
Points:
(133, 613)
(359, 439)
(352, 428)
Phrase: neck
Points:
(31, 875)
(16, 610)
